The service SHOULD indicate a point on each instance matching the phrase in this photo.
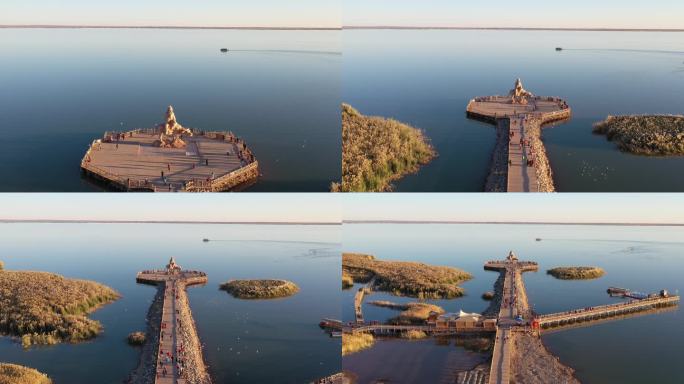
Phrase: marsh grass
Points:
(17, 374)
(414, 334)
(347, 280)
(576, 273)
(377, 151)
(657, 135)
(406, 278)
(45, 308)
(137, 338)
(412, 313)
(260, 289)
(352, 343)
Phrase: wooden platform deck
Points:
(524, 163)
(135, 163)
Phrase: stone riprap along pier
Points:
(178, 351)
(170, 157)
(519, 162)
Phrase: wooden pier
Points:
(179, 352)
(519, 162)
(205, 162)
(591, 314)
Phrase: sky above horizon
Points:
(631, 14)
(332, 208)
(231, 207)
(205, 13)
(533, 207)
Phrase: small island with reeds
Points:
(655, 135)
(377, 151)
(576, 273)
(46, 308)
(411, 313)
(355, 342)
(405, 278)
(347, 280)
(137, 338)
(260, 289)
(18, 374)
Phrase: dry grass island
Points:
(412, 313)
(656, 135)
(347, 281)
(576, 273)
(17, 374)
(355, 342)
(137, 338)
(404, 278)
(46, 308)
(260, 289)
(377, 151)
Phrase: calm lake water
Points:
(635, 350)
(62, 88)
(426, 78)
(255, 341)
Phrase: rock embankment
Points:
(658, 135)
(497, 179)
(195, 371)
(532, 363)
(542, 167)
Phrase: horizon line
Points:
(636, 224)
(578, 29)
(373, 221)
(350, 27)
(88, 221)
(76, 26)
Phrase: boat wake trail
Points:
(288, 51)
(656, 51)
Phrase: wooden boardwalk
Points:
(590, 314)
(522, 166)
(176, 360)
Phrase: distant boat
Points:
(206, 240)
(538, 239)
(559, 49)
(224, 50)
